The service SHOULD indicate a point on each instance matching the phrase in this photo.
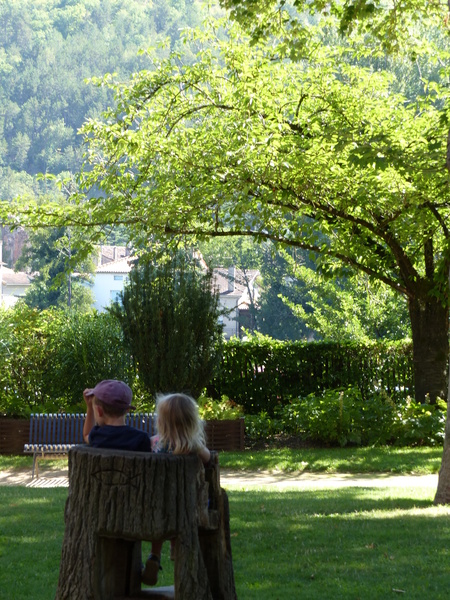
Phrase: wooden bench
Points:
(117, 499)
(53, 435)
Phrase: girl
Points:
(180, 431)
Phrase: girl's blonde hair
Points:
(180, 428)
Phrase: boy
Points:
(104, 427)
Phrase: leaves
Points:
(391, 26)
(323, 154)
(200, 148)
(169, 318)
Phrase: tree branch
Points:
(298, 244)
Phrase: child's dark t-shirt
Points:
(119, 437)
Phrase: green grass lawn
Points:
(348, 543)
(351, 543)
(385, 459)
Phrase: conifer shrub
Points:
(170, 320)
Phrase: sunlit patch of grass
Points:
(347, 543)
(32, 526)
(13, 462)
(336, 460)
(386, 459)
(10, 461)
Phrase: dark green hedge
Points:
(259, 374)
(47, 358)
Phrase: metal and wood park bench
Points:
(117, 499)
(53, 435)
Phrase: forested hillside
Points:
(48, 48)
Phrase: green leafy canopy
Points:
(392, 25)
(321, 154)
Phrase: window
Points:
(118, 277)
(115, 295)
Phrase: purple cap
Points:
(112, 392)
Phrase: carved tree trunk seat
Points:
(117, 499)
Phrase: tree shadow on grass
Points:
(343, 500)
(347, 543)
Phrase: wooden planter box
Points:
(220, 435)
(14, 433)
(225, 435)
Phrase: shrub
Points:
(224, 408)
(170, 320)
(48, 357)
(419, 424)
(341, 416)
(263, 426)
(24, 335)
(344, 417)
(86, 349)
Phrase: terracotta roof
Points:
(119, 266)
(11, 277)
(110, 254)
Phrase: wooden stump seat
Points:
(119, 498)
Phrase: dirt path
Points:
(246, 479)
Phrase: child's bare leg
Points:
(153, 564)
(157, 547)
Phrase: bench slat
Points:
(67, 429)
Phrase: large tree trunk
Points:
(443, 489)
(429, 321)
(118, 498)
(429, 324)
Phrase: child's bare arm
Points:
(89, 421)
(204, 454)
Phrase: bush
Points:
(86, 349)
(170, 320)
(344, 417)
(263, 426)
(48, 357)
(419, 424)
(260, 373)
(224, 408)
(24, 356)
